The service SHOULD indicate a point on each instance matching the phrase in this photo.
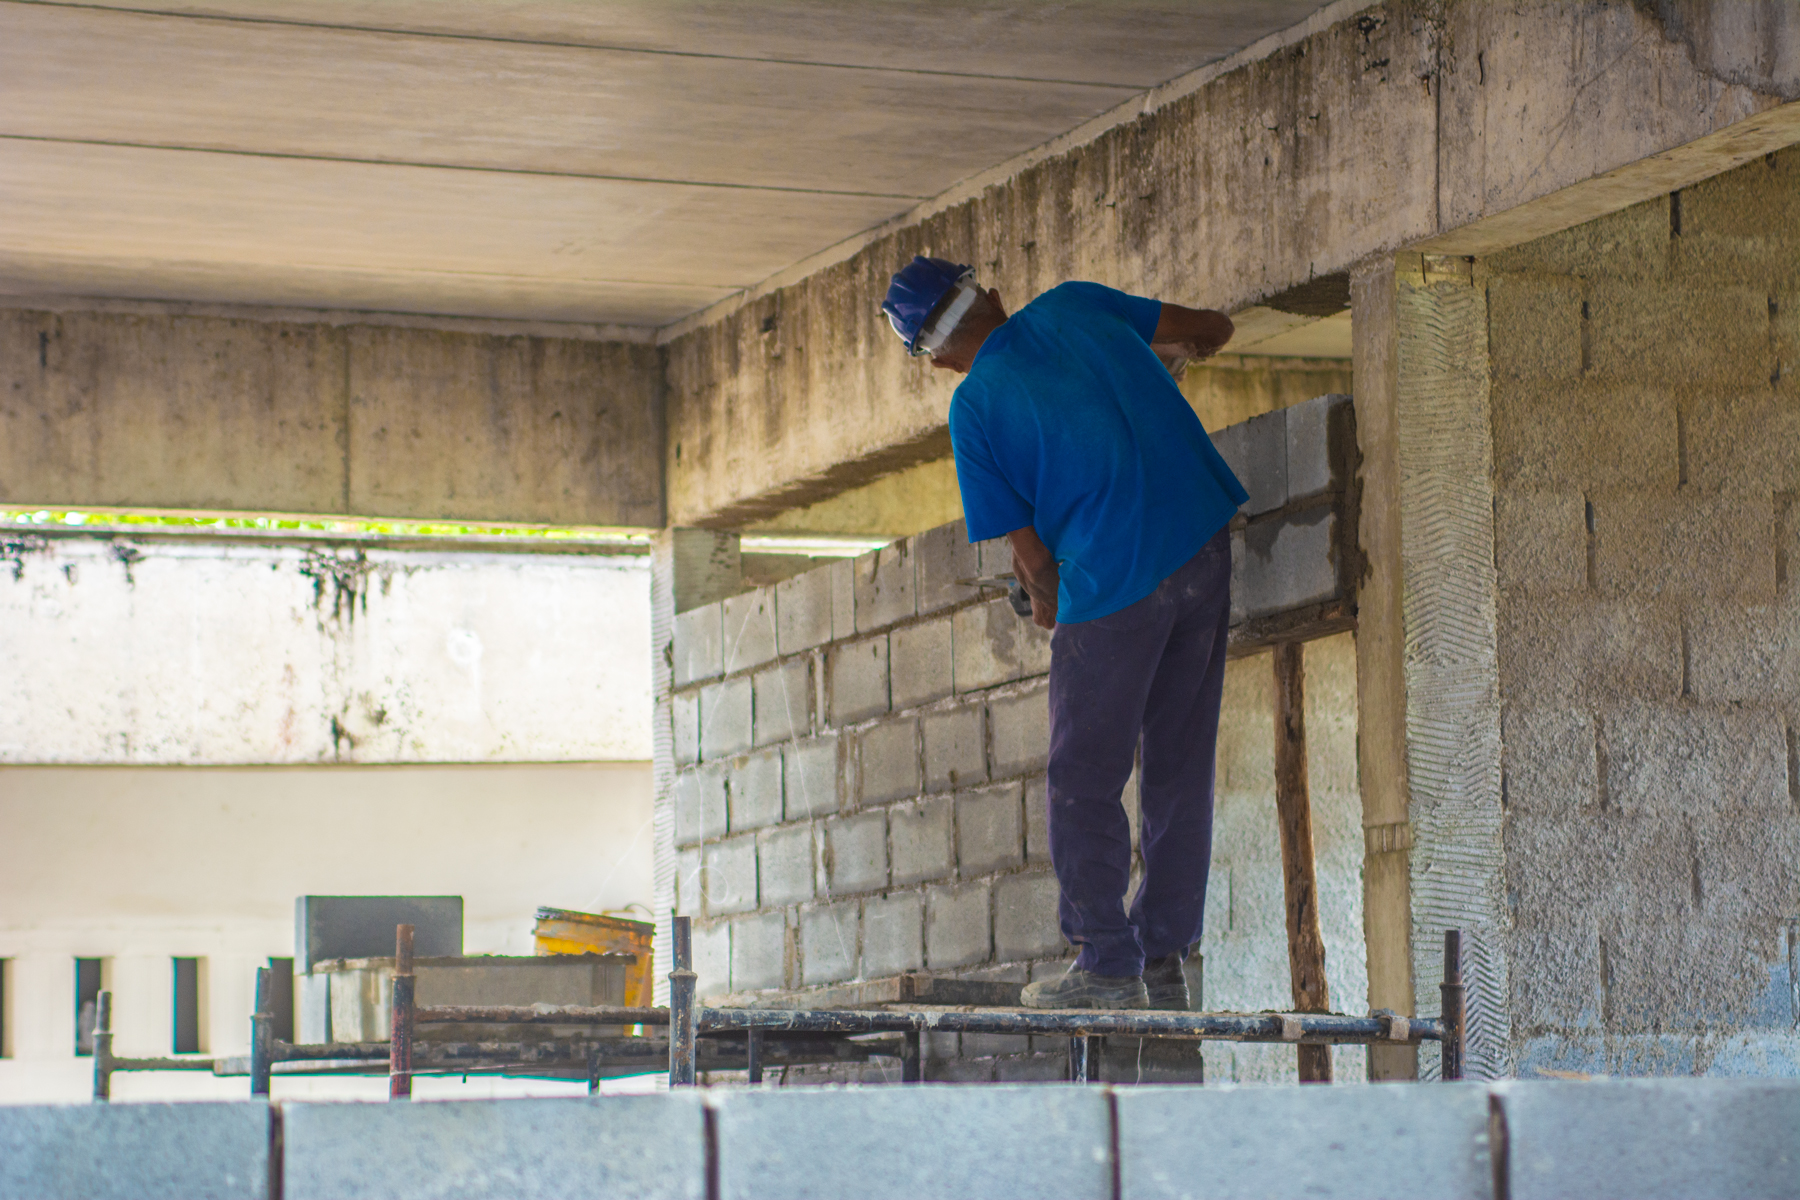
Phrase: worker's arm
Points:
(1035, 568)
(1191, 332)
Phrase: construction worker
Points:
(1073, 441)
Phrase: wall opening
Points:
(89, 974)
(188, 1024)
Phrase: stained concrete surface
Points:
(192, 652)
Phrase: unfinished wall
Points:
(1646, 434)
(206, 652)
(317, 414)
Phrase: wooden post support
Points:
(1306, 944)
(400, 1017)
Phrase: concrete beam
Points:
(312, 415)
(1403, 126)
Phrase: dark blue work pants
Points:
(1152, 672)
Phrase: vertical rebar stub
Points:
(400, 1019)
(1454, 1010)
(682, 1066)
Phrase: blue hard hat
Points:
(915, 291)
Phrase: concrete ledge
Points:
(1376, 1141)
(644, 1146)
(135, 1152)
(922, 1143)
(1652, 1139)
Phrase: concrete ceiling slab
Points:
(624, 161)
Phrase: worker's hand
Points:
(1035, 568)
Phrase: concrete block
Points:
(958, 927)
(749, 629)
(888, 761)
(1037, 820)
(829, 941)
(1025, 924)
(1288, 562)
(1231, 445)
(856, 853)
(990, 830)
(1585, 438)
(1320, 440)
(192, 1151)
(712, 957)
(919, 663)
(690, 884)
(945, 555)
(1580, 648)
(841, 579)
(1540, 540)
(859, 680)
(759, 952)
(1685, 545)
(651, 1146)
(1745, 441)
(886, 586)
(754, 785)
(996, 556)
(1652, 1139)
(955, 747)
(725, 714)
(785, 864)
(715, 805)
(920, 836)
(1020, 728)
(993, 644)
(1679, 761)
(1237, 576)
(810, 775)
(1347, 1141)
(1681, 332)
(783, 701)
(684, 797)
(730, 874)
(1534, 327)
(363, 926)
(803, 611)
(969, 1143)
(699, 644)
(1744, 654)
(685, 720)
(1548, 755)
(1264, 476)
(893, 935)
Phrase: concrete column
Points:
(1427, 664)
(688, 568)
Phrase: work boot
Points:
(1084, 989)
(1165, 982)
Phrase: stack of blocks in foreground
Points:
(860, 749)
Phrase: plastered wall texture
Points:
(857, 759)
(121, 651)
(1646, 443)
(1406, 122)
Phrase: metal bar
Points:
(103, 1041)
(1080, 1051)
(912, 1059)
(536, 1014)
(400, 1023)
(593, 1066)
(682, 1050)
(753, 1039)
(262, 1034)
(1455, 1009)
(1234, 1027)
(1293, 807)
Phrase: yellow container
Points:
(564, 931)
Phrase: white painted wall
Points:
(138, 865)
(209, 653)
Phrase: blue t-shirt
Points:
(1069, 423)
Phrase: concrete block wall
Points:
(859, 750)
(1646, 432)
(1664, 1139)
